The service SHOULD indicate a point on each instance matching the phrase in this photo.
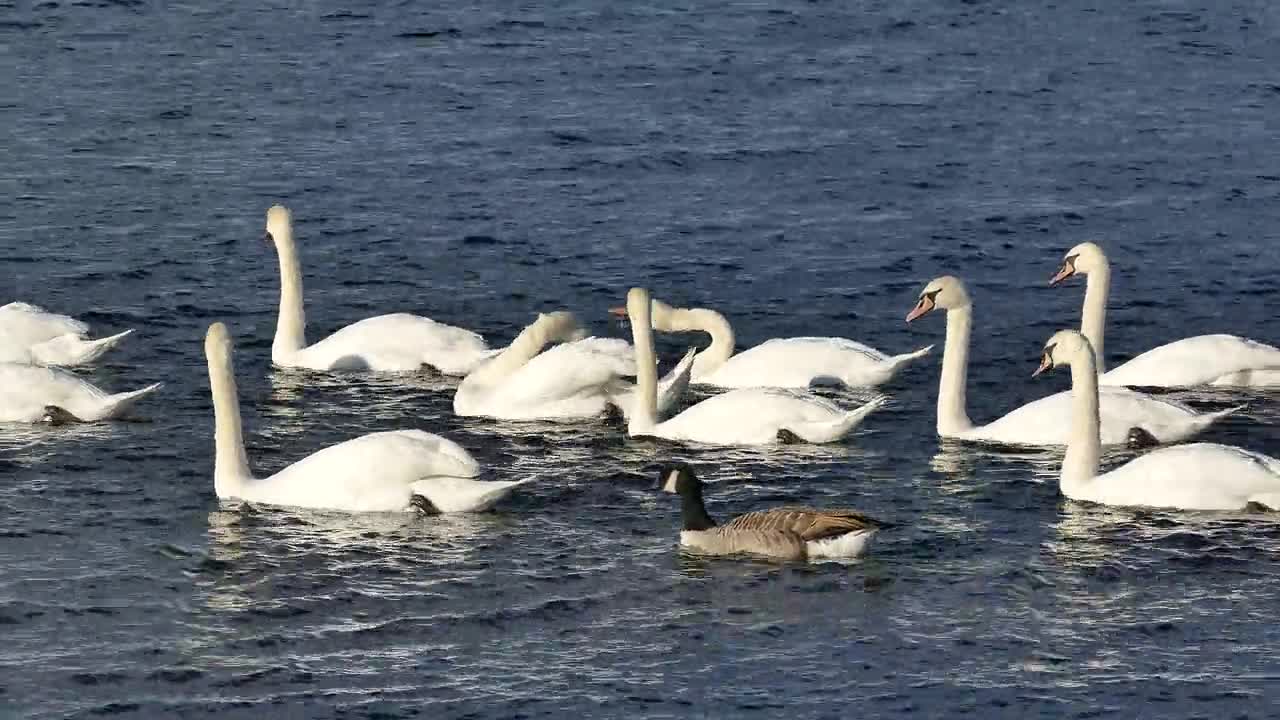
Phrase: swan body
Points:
(1199, 476)
(786, 533)
(29, 392)
(1044, 421)
(35, 336)
(742, 416)
(781, 362)
(398, 342)
(1200, 360)
(381, 472)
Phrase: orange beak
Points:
(618, 312)
(1046, 363)
(1067, 271)
(922, 308)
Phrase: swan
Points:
(391, 471)
(1043, 421)
(787, 533)
(780, 362)
(1199, 476)
(32, 335)
(1200, 360)
(742, 416)
(579, 378)
(387, 343)
(32, 394)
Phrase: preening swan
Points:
(579, 378)
(1200, 476)
(1044, 421)
(35, 336)
(1198, 360)
(389, 343)
(787, 533)
(380, 472)
(31, 394)
(780, 362)
(743, 416)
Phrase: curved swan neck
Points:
(1093, 319)
(550, 327)
(291, 325)
(669, 319)
(231, 464)
(952, 418)
(644, 416)
(1084, 445)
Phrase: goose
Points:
(31, 335)
(1043, 421)
(32, 394)
(1200, 360)
(395, 471)
(798, 362)
(579, 378)
(387, 343)
(1199, 476)
(787, 533)
(742, 416)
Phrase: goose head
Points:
(279, 224)
(944, 293)
(1083, 259)
(1064, 348)
(679, 479)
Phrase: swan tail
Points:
(1204, 420)
(897, 362)
(72, 350)
(115, 405)
(1268, 501)
(830, 431)
(672, 387)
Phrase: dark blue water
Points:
(803, 166)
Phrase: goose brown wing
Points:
(808, 523)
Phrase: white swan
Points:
(1200, 476)
(780, 362)
(1043, 421)
(380, 472)
(30, 394)
(579, 378)
(387, 343)
(743, 416)
(1198, 360)
(35, 336)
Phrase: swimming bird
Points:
(34, 336)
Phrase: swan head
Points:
(1083, 259)
(639, 303)
(217, 341)
(679, 479)
(944, 293)
(279, 224)
(1064, 348)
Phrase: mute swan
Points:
(380, 472)
(743, 416)
(35, 336)
(579, 378)
(30, 394)
(787, 533)
(1043, 421)
(780, 362)
(1200, 476)
(387, 343)
(1199, 360)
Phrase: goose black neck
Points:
(693, 512)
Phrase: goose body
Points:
(785, 533)
(1199, 476)
(742, 416)
(32, 335)
(1219, 359)
(780, 362)
(1045, 421)
(381, 472)
(29, 393)
(398, 342)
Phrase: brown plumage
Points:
(808, 523)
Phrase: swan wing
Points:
(452, 494)
(399, 342)
(749, 416)
(1192, 361)
(1047, 421)
(25, 390)
(798, 362)
(30, 324)
(1203, 476)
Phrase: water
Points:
(803, 166)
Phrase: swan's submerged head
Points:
(944, 293)
(279, 224)
(1082, 259)
(1064, 348)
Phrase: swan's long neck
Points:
(547, 328)
(291, 325)
(1084, 445)
(644, 415)
(669, 319)
(952, 417)
(1093, 319)
(230, 465)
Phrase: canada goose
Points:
(788, 533)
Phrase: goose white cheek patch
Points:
(670, 484)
